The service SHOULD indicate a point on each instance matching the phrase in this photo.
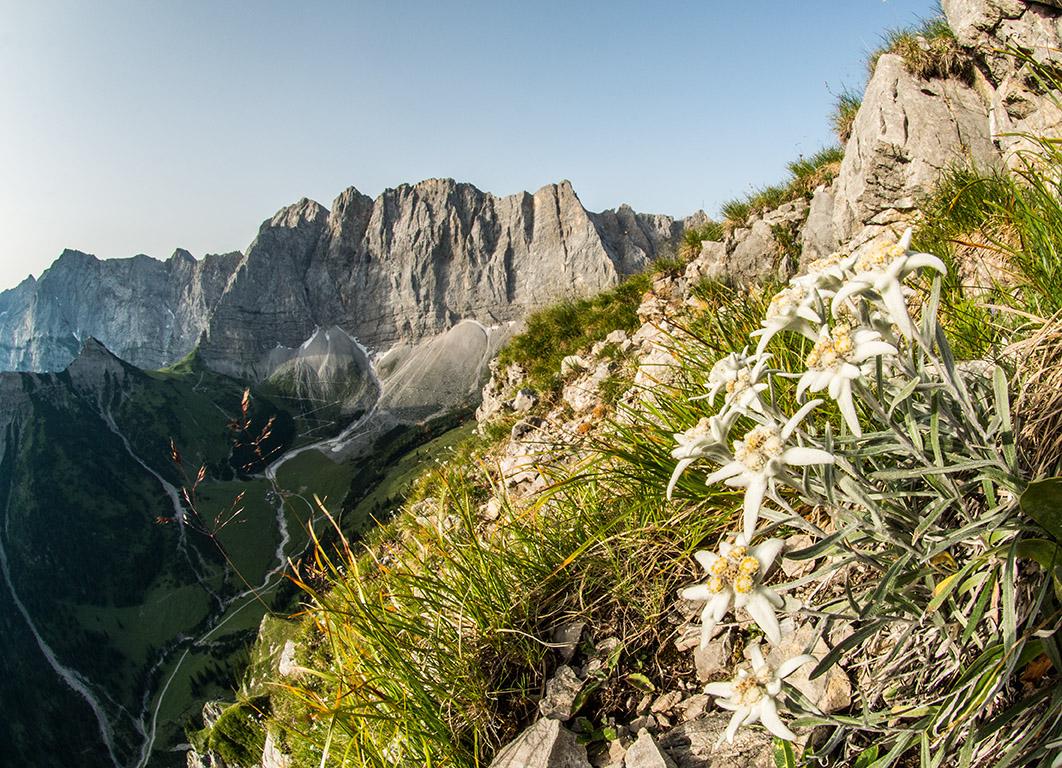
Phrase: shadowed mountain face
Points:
(409, 265)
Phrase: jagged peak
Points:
(72, 255)
(304, 211)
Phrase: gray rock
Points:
(567, 637)
(906, 131)
(546, 744)
(666, 702)
(561, 691)
(644, 753)
(795, 568)
(817, 238)
(713, 662)
(573, 364)
(524, 401)
(695, 706)
(643, 722)
(694, 745)
(272, 757)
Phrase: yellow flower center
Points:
(743, 583)
(833, 347)
(747, 690)
(835, 258)
(785, 301)
(879, 257)
(736, 569)
(759, 446)
(739, 383)
(749, 565)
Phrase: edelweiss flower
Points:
(827, 272)
(753, 694)
(761, 458)
(736, 577)
(705, 438)
(881, 271)
(834, 361)
(727, 370)
(795, 308)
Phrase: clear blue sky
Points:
(137, 127)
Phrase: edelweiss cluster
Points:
(853, 309)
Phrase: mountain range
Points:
(406, 266)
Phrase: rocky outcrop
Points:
(404, 267)
(755, 252)
(148, 312)
(996, 30)
(907, 131)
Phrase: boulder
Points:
(546, 744)
(818, 238)
(906, 131)
(831, 692)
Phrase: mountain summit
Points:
(408, 265)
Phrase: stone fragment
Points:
(644, 753)
(573, 364)
(713, 662)
(561, 692)
(567, 637)
(666, 702)
(546, 744)
(695, 706)
(796, 568)
(524, 401)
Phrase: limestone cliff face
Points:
(418, 260)
(149, 312)
(406, 266)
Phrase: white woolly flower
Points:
(728, 370)
(795, 308)
(762, 457)
(834, 363)
(706, 438)
(828, 271)
(752, 695)
(743, 391)
(736, 576)
(880, 272)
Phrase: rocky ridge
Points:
(404, 267)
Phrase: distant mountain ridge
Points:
(406, 266)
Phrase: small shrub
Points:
(736, 212)
(805, 174)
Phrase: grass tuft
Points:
(805, 174)
(929, 50)
(844, 114)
